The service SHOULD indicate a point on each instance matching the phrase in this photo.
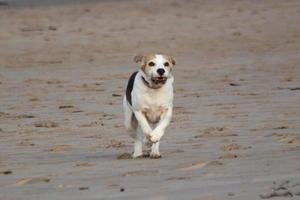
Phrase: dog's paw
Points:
(137, 155)
(155, 155)
(155, 138)
(156, 135)
(152, 138)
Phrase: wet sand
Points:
(235, 130)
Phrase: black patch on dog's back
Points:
(130, 87)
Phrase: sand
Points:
(235, 131)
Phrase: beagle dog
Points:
(148, 102)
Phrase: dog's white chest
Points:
(153, 114)
(154, 105)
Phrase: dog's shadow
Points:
(126, 156)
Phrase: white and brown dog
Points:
(148, 102)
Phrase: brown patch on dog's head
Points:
(170, 59)
(144, 60)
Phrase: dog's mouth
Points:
(159, 80)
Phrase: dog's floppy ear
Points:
(138, 58)
(173, 61)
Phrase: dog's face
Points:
(157, 67)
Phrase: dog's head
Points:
(156, 67)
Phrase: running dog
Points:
(148, 103)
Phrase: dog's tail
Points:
(130, 121)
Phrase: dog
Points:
(148, 103)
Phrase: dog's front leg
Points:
(164, 121)
(147, 130)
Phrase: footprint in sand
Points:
(290, 139)
(231, 147)
(202, 164)
(115, 144)
(286, 138)
(15, 116)
(285, 188)
(92, 124)
(230, 156)
(25, 181)
(85, 164)
(141, 173)
(65, 106)
(178, 178)
(216, 132)
(45, 124)
(59, 148)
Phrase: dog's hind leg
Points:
(135, 132)
(130, 121)
(138, 144)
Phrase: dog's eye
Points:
(166, 64)
(151, 64)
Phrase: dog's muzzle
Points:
(159, 80)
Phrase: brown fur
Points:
(170, 59)
(144, 60)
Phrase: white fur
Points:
(151, 107)
(159, 61)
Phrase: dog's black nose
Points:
(161, 71)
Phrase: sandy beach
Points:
(235, 132)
